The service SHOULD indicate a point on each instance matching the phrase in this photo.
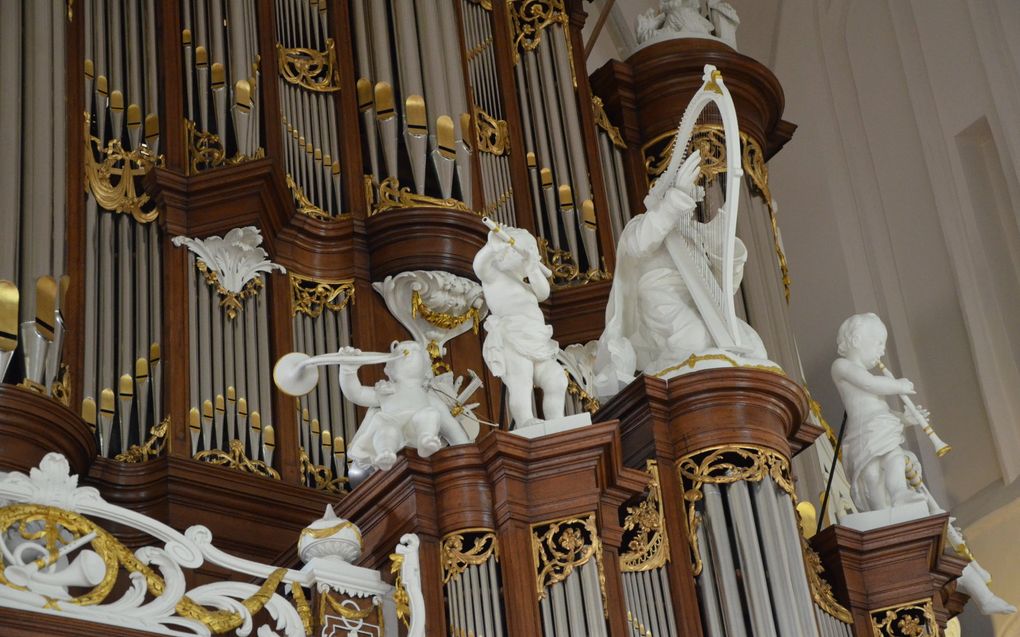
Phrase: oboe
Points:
(941, 448)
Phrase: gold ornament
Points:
(561, 546)
(821, 591)
(648, 547)
(232, 302)
(602, 121)
(151, 448)
(753, 161)
(60, 388)
(321, 476)
(314, 70)
(726, 464)
(111, 178)
(456, 558)
(206, 151)
(311, 296)
(235, 459)
(491, 135)
(392, 196)
(305, 205)
(400, 597)
(442, 320)
(565, 272)
(914, 619)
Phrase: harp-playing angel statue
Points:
(671, 308)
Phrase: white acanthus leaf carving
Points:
(236, 258)
(68, 552)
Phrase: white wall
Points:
(900, 194)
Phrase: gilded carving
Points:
(565, 272)
(602, 121)
(726, 464)
(915, 619)
(456, 558)
(694, 359)
(753, 161)
(561, 546)
(305, 205)
(151, 448)
(392, 196)
(236, 459)
(443, 320)
(321, 476)
(231, 302)
(206, 151)
(645, 524)
(314, 70)
(110, 174)
(312, 296)
(491, 135)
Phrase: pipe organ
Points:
(241, 178)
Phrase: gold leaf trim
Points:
(206, 151)
(602, 121)
(400, 597)
(308, 68)
(726, 464)
(442, 320)
(649, 545)
(589, 402)
(753, 161)
(491, 135)
(151, 448)
(456, 558)
(305, 205)
(821, 590)
(694, 359)
(392, 196)
(221, 621)
(235, 459)
(110, 174)
(561, 546)
(913, 619)
(318, 534)
(232, 302)
(313, 296)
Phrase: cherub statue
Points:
(684, 16)
(724, 20)
(403, 409)
(649, 24)
(873, 447)
(518, 347)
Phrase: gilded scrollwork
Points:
(726, 464)
(236, 459)
(312, 296)
(206, 151)
(401, 598)
(491, 135)
(821, 591)
(110, 174)
(602, 121)
(691, 361)
(321, 477)
(456, 558)
(393, 196)
(311, 69)
(561, 546)
(565, 271)
(915, 619)
(151, 448)
(305, 205)
(231, 302)
(645, 525)
(753, 161)
(529, 18)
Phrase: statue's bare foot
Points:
(428, 445)
(994, 605)
(385, 460)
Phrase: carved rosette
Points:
(645, 526)
(562, 546)
(915, 619)
(457, 556)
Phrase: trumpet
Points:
(296, 374)
(502, 234)
(941, 448)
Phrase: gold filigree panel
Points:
(393, 196)
(562, 546)
(491, 135)
(312, 296)
(456, 557)
(150, 449)
(320, 476)
(645, 526)
(565, 271)
(915, 619)
(726, 464)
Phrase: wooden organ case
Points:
(365, 138)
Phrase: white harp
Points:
(713, 293)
